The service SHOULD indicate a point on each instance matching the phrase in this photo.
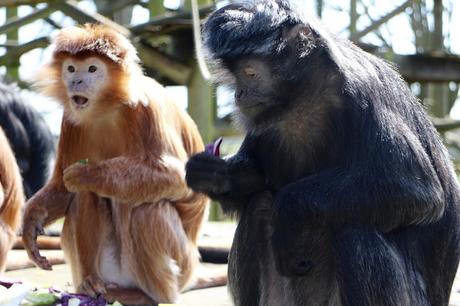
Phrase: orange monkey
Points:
(11, 198)
(131, 223)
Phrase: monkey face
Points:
(256, 88)
(84, 80)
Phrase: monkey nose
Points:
(77, 82)
(239, 93)
(300, 267)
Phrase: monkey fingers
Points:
(77, 176)
(208, 174)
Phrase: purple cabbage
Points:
(7, 283)
(214, 148)
(84, 299)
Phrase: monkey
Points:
(131, 223)
(343, 189)
(30, 138)
(11, 198)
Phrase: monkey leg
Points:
(85, 229)
(162, 257)
(372, 271)
(7, 238)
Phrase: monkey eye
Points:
(70, 68)
(92, 68)
(250, 72)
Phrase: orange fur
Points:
(131, 201)
(11, 198)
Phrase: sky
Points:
(335, 17)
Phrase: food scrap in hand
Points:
(84, 161)
(214, 148)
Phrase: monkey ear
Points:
(300, 38)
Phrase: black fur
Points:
(29, 136)
(365, 207)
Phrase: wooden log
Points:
(43, 243)
(18, 260)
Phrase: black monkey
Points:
(344, 191)
(29, 136)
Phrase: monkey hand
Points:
(208, 174)
(79, 177)
(33, 226)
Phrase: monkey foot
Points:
(92, 286)
(128, 296)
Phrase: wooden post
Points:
(353, 17)
(200, 103)
(319, 8)
(440, 107)
(156, 7)
(12, 35)
(201, 95)
(201, 107)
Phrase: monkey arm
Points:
(46, 206)
(130, 179)
(392, 187)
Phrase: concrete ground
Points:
(215, 234)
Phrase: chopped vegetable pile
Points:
(13, 293)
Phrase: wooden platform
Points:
(215, 234)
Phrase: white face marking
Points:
(84, 80)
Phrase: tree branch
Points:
(356, 36)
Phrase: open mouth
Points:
(80, 101)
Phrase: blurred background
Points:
(421, 37)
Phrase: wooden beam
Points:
(168, 18)
(9, 3)
(156, 60)
(428, 68)
(14, 53)
(71, 9)
(118, 6)
(445, 124)
(20, 21)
